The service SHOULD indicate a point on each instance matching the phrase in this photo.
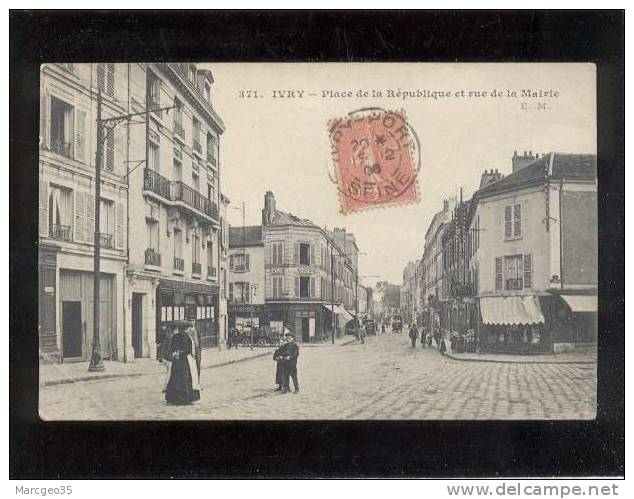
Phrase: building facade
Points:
(536, 256)
(159, 206)
(173, 268)
(246, 277)
(68, 138)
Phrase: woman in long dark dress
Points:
(182, 387)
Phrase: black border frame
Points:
(315, 449)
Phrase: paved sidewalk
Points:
(580, 357)
(57, 374)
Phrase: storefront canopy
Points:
(581, 303)
(511, 310)
(339, 310)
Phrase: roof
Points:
(564, 167)
(284, 218)
(250, 235)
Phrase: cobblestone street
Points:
(382, 379)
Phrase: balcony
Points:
(60, 232)
(106, 241)
(194, 199)
(62, 148)
(178, 191)
(197, 146)
(153, 104)
(179, 264)
(156, 183)
(196, 268)
(461, 290)
(179, 130)
(152, 257)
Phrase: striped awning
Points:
(511, 310)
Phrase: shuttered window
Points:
(105, 78)
(499, 275)
(80, 136)
(110, 150)
(508, 221)
(512, 221)
(528, 271)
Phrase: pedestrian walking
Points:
(429, 339)
(413, 334)
(182, 386)
(443, 346)
(166, 353)
(382, 327)
(290, 353)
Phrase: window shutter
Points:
(43, 208)
(268, 254)
(518, 220)
(45, 103)
(246, 292)
(528, 271)
(296, 287)
(508, 221)
(312, 254)
(90, 218)
(247, 261)
(296, 252)
(80, 136)
(230, 262)
(110, 149)
(80, 216)
(499, 276)
(119, 233)
(231, 291)
(312, 287)
(270, 286)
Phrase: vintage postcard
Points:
(317, 241)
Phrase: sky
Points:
(281, 144)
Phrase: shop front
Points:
(243, 315)
(514, 324)
(574, 317)
(310, 322)
(188, 301)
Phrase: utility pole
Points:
(96, 362)
(332, 292)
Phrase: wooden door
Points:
(71, 329)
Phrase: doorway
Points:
(71, 329)
(137, 324)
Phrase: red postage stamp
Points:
(377, 159)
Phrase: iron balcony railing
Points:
(156, 183)
(179, 264)
(153, 103)
(61, 232)
(152, 257)
(197, 146)
(182, 192)
(196, 268)
(106, 241)
(178, 191)
(62, 148)
(179, 130)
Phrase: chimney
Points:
(488, 177)
(269, 208)
(520, 162)
(445, 205)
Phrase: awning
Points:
(581, 303)
(511, 310)
(339, 310)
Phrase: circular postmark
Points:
(377, 159)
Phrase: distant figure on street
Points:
(429, 340)
(382, 327)
(166, 353)
(289, 355)
(362, 332)
(443, 346)
(182, 386)
(413, 334)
